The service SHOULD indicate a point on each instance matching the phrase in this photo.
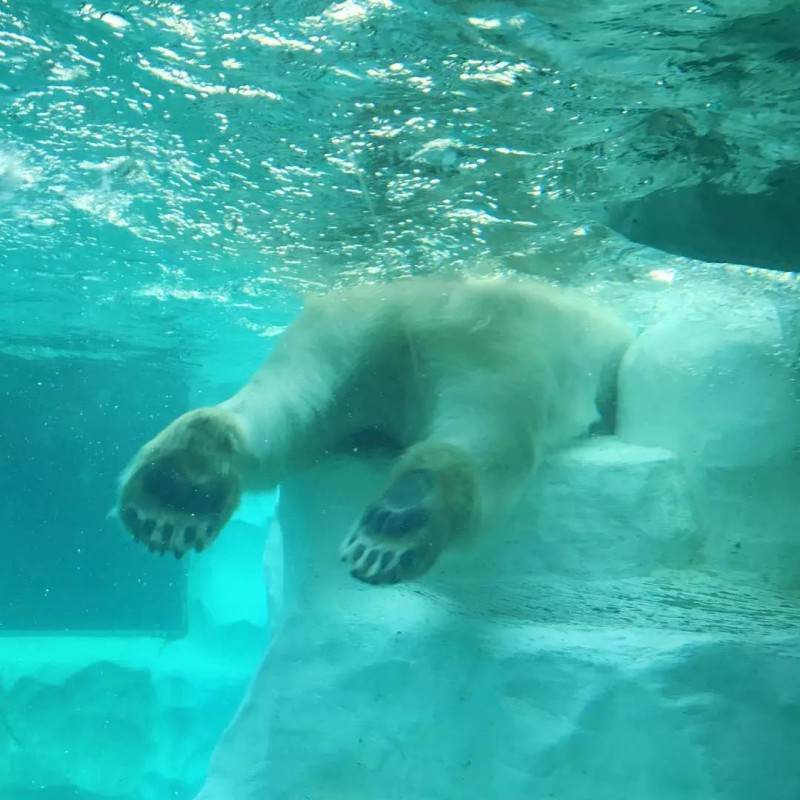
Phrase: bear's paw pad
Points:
(396, 538)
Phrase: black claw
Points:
(386, 558)
(167, 531)
(372, 557)
(358, 552)
(189, 534)
(148, 526)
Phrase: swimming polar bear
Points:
(469, 381)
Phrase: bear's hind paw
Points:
(397, 538)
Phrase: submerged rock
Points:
(540, 667)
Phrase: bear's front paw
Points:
(399, 537)
(182, 487)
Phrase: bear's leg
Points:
(442, 491)
(183, 486)
(480, 447)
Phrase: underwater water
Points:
(174, 176)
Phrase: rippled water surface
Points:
(223, 156)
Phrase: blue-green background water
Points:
(174, 176)
(64, 568)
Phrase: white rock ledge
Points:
(591, 654)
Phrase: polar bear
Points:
(468, 381)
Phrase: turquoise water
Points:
(173, 177)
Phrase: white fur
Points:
(503, 369)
